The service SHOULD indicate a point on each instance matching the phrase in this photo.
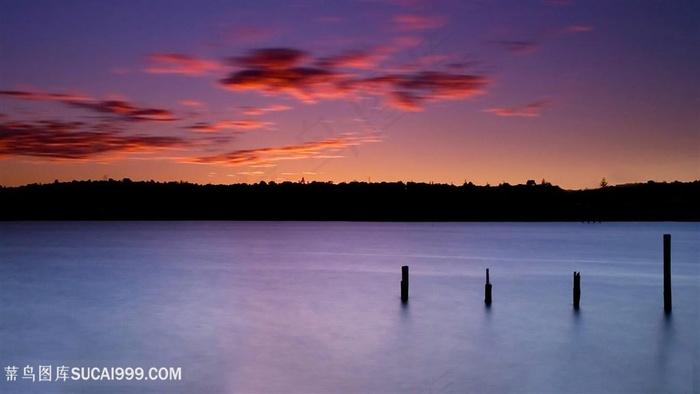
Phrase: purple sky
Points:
(443, 91)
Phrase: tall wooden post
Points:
(668, 304)
(487, 289)
(404, 283)
(577, 289)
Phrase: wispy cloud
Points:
(42, 96)
(407, 22)
(254, 111)
(58, 140)
(529, 110)
(205, 127)
(411, 91)
(578, 29)
(329, 19)
(175, 63)
(517, 47)
(248, 34)
(121, 108)
(192, 103)
(405, 42)
(320, 149)
(558, 2)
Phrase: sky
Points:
(225, 92)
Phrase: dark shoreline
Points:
(354, 201)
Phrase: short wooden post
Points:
(668, 304)
(487, 289)
(577, 289)
(404, 283)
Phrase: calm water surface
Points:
(314, 307)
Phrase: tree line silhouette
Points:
(353, 201)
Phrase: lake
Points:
(314, 307)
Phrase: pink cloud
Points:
(407, 42)
(411, 91)
(307, 84)
(578, 29)
(355, 59)
(329, 19)
(529, 110)
(320, 149)
(254, 111)
(173, 63)
(247, 34)
(282, 71)
(518, 47)
(204, 127)
(408, 22)
(192, 103)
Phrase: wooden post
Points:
(577, 289)
(404, 283)
(487, 289)
(668, 304)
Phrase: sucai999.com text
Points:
(63, 373)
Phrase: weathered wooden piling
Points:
(668, 304)
(577, 289)
(487, 289)
(404, 283)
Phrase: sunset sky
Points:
(427, 91)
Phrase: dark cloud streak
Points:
(127, 110)
(59, 140)
(121, 108)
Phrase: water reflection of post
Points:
(487, 289)
(577, 289)
(668, 304)
(404, 283)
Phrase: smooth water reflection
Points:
(315, 307)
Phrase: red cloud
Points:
(173, 63)
(529, 110)
(411, 91)
(305, 83)
(60, 140)
(281, 71)
(321, 149)
(204, 127)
